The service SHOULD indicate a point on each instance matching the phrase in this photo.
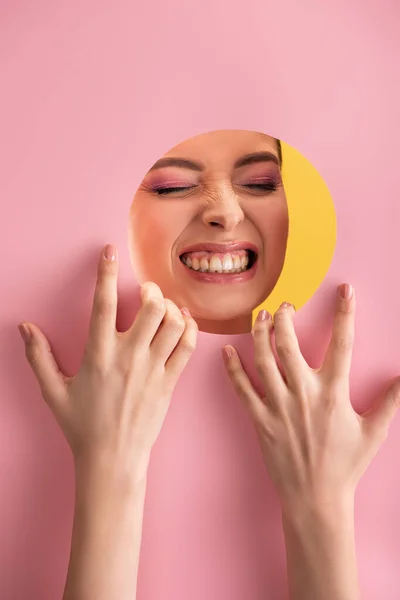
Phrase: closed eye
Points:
(170, 190)
(262, 187)
(257, 187)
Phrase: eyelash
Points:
(264, 187)
(170, 190)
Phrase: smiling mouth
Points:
(233, 262)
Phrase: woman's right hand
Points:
(116, 404)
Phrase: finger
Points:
(169, 333)
(242, 384)
(184, 349)
(102, 329)
(51, 379)
(287, 347)
(379, 417)
(337, 360)
(149, 316)
(264, 356)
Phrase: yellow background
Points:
(312, 232)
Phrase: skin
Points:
(219, 203)
(315, 446)
(111, 413)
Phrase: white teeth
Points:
(227, 262)
(214, 264)
(204, 264)
(236, 262)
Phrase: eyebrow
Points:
(256, 157)
(184, 163)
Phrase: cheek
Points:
(272, 222)
(154, 228)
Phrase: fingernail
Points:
(263, 315)
(228, 351)
(346, 291)
(185, 311)
(25, 332)
(285, 305)
(110, 252)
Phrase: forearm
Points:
(106, 533)
(320, 552)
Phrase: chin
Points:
(220, 315)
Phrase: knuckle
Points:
(331, 396)
(107, 268)
(171, 307)
(104, 305)
(150, 288)
(284, 348)
(231, 366)
(281, 314)
(262, 365)
(258, 328)
(188, 345)
(243, 394)
(155, 306)
(343, 344)
(174, 320)
(233, 370)
(94, 364)
(34, 357)
(346, 307)
(176, 325)
(193, 327)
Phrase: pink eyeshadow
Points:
(260, 174)
(171, 183)
(170, 179)
(259, 181)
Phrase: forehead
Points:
(223, 147)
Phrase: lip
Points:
(220, 247)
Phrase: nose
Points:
(223, 211)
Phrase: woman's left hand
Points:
(315, 446)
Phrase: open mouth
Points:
(221, 262)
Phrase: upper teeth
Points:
(234, 262)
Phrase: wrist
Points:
(320, 549)
(104, 470)
(318, 510)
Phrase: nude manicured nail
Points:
(110, 252)
(25, 332)
(185, 311)
(346, 291)
(285, 305)
(263, 315)
(228, 351)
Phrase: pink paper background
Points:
(92, 94)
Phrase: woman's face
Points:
(209, 225)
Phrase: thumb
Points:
(380, 416)
(47, 372)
